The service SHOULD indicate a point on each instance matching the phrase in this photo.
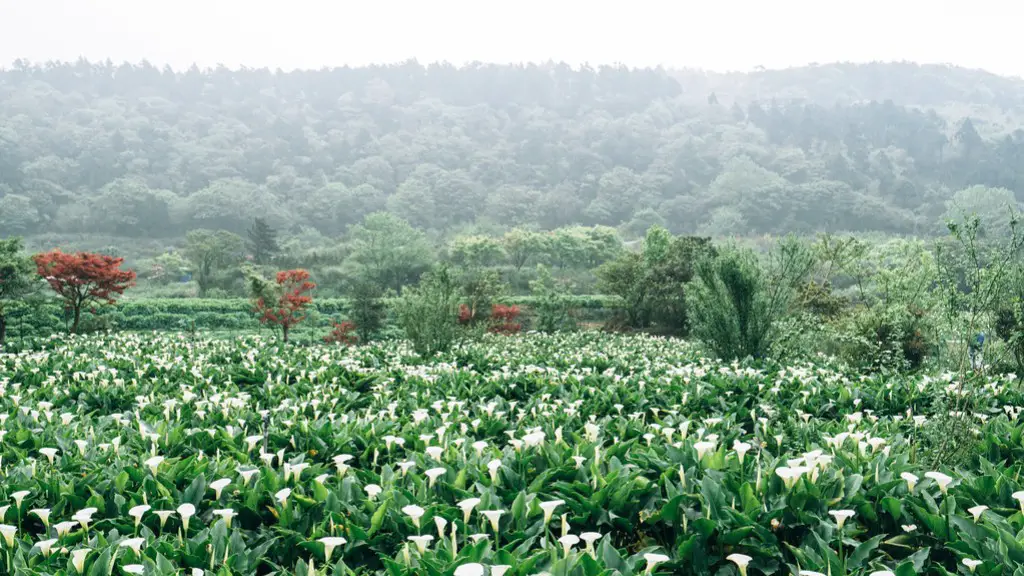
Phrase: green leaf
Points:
(101, 566)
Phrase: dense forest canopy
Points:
(138, 151)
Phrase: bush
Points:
(735, 303)
(552, 306)
(428, 313)
(342, 333)
(503, 320)
(367, 310)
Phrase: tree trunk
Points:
(284, 330)
(3, 330)
(78, 316)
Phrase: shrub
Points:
(342, 333)
(735, 303)
(428, 313)
(552, 304)
(503, 320)
(367, 310)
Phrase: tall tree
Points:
(211, 252)
(389, 250)
(16, 275)
(283, 302)
(84, 279)
(262, 242)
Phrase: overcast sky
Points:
(710, 34)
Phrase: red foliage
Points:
(292, 299)
(84, 279)
(343, 333)
(503, 319)
(465, 314)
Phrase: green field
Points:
(583, 454)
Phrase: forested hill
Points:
(137, 150)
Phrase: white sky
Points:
(710, 34)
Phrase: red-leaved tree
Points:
(284, 302)
(342, 333)
(503, 320)
(84, 279)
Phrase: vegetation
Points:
(843, 403)
(83, 280)
(585, 454)
(284, 301)
(16, 278)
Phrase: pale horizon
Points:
(728, 36)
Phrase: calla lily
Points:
(703, 448)
(471, 569)
(941, 479)
(1019, 497)
(440, 523)
(567, 542)
(421, 542)
(330, 543)
(43, 514)
(78, 558)
(589, 538)
(154, 463)
(414, 513)
(741, 561)
(218, 486)
(134, 568)
(64, 528)
(910, 479)
(45, 546)
(977, 511)
(467, 507)
(50, 453)
(433, 474)
(84, 516)
(19, 497)
(247, 474)
(790, 475)
(186, 511)
(653, 560)
(500, 569)
(163, 515)
(226, 514)
(971, 563)
(549, 509)
(372, 490)
(282, 496)
(137, 512)
(134, 543)
(493, 516)
(741, 449)
(8, 533)
(841, 516)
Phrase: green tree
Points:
(552, 306)
(211, 253)
(262, 242)
(389, 251)
(521, 245)
(428, 312)
(735, 303)
(17, 273)
(367, 309)
(992, 206)
(476, 251)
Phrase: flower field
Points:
(582, 454)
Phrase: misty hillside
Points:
(139, 151)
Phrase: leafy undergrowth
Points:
(586, 454)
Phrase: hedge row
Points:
(174, 314)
